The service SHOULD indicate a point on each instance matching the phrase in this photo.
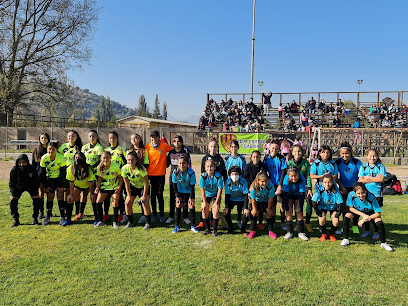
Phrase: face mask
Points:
(22, 168)
(79, 161)
(235, 178)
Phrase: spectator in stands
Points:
(381, 116)
(304, 118)
(294, 107)
(357, 135)
(374, 109)
(287, 109)
(280, 111)
(384, 108)
(392, 109)
(336, 121)
(312, 106)
(267, 102)
(330, 108)
(400, 122)
(322, 106)
(386, 122)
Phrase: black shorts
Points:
(136, 192)
(54, 183)
(82, 189)
(277, 198)
(232, 204)
(262, 206)
(286, 196)
(184, 199)
(107, 191)
(365, 212)
(210, 199)
(328, 212)
(33, 191)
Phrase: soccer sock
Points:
(260, 217)
(95, 210)
(122, 206)
(41, 204)
(289, 226)
(282, 218)
(215, 225)
(50, 204)
(333, 229)
(346, 227)
(253, 223)
(301, 226)
(273, 220)
(244, 224)
(36, 207)
(308, 217)
(178, 216)
(355, 221)
(82, 207)
(130, 218)
(77, 208)
(99, 210)
(69, 209)
(207, 224)
(192, 216)
(149, 219)
(61, 206)
(381, 230)
(228, 219)
(106, 205)
(323, 229)
(185, 213)
(375, 227)
(115, 214)
(367, 226)
(269, 223)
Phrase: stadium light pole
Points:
(253, 54)
(359, 82)
(260, 84)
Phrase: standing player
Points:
(235, 159)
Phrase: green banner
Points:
(247, 142)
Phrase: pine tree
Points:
(164, 116)
(109, 112)
(102, 109)
(156, 111)
(141, 109)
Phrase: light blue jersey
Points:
(275, 166)
(369, 204)
(238, 161)
(185, 181)
(238, 192)
(211, 184)
(264, 194)
(348, 172)
(327, 200)
(367, 170)
(294, 189)
(320, 168)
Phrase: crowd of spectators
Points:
(387, 116)
(232, 116)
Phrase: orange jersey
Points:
(158, 159)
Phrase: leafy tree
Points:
(102, 108)
(142, 106)
(156, 111)
(108, 111)
(164, 116)
(39, 42)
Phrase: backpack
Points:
(397, 186)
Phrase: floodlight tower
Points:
(253, 54)
(359, 82)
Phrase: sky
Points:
(182, 50)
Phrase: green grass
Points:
(82, 265)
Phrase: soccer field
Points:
(83, 265)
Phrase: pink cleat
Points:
(272, 235)
(251, 234)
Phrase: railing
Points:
(360, 99)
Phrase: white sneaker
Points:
(147, 226)
(376, 236)
(386, 247)
(288, 236)
(303, 236)
(365, 234)
(193, 229)
(169, 220)
(239, 224)
(142, 219)
(99, 224)
(115, 225)
(283, 226)
(187, 221)
(345, 242)
(125, 219)
(46, 221)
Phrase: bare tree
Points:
(39, 41)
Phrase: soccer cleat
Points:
(187, 221)
(105, 217)
(303, 236)
(15, 223)
(376, 236)
(176, 230)
(206, 232)
(40, 216)
(288, 236)
(386, 247)
(260, 227)
(142, 219)
(200, 225)
(67, 222)
(283, 226)
(338, 231)
(239, 224)
(125, 219)
(46, 221)
(162, 218)
(120, 218)
(231, 231)
(193, 229)
(99, 224)
(251, 234)
(96, 221)
(147, 226)
(365, 234)
(78, 217)
(308, 227)
(169, 220)
(154, 218)
(215, 234)
(35, 222)
(128, 225)
(324, 237)
(355, 229)
(332, 238)
(62, 220)
(115, 225)
(272, 235)
(345, 242)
